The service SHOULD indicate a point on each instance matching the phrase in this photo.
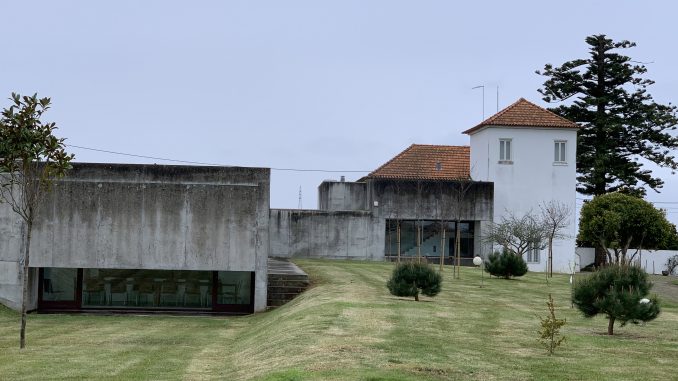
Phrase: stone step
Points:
(284, 295)
(273, 277)
(286, 290)
(286, 283)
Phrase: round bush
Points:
(506, 265)
(409, 279)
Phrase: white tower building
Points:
(529, 153)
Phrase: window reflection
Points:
(59, 284)
(147, 288)
(234, 287)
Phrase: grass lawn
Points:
(348, 327)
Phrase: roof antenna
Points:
(497, 98)
(481, 87)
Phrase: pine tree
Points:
(549, 334)
(620, 121)
(411, 278)
(619, 292)
(506, 264)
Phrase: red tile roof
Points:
(427, 162)
(524, 114)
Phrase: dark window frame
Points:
(77, 306)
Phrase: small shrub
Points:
(506, 265)
(549, 334)
(411, 278)
(619, 292)
(671, 264)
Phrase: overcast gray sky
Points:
(341, 85)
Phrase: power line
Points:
(212, 164)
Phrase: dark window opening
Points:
(133, 289)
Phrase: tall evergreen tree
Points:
(621, 123)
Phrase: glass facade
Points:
(59, 284)
(147, 288)
(220, 291)
(234, 287)
(430, 234)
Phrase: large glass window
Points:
(234, 287)
(214, 291)
(59, 284)
(430, 234)
(106, 288)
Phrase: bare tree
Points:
(459, 191)
(442, 206)
(518, 234)
(418, 224)
(394, 217)
(31, 157)
(555, 216)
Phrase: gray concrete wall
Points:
(352, 219)
(326, 234)
(429, 200)
(147, 217)
(339, 195)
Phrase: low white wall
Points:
(585, 256)
(652, 261)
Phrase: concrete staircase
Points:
(285, 282)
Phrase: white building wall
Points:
(530, 179)
(652, 261)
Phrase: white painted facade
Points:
(652, 261)
(531, 177)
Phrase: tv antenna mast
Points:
(481, 87)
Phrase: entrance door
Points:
(59, 288)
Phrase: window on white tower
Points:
(559, 151)
(533, 253)
(505, 154)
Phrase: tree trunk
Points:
(442, 248)
(601, 256)
(416, 297)
(398, 239)
(418, 244)
(610, 326)
(550, 268)
(457, 249)
(24, 284)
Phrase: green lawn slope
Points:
(348, 327)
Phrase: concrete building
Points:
(152, 237)
(518, 159)
(414, 204)
(121, 237)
